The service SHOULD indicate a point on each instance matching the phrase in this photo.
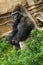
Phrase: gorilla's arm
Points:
(16, 20)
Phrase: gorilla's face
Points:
(17, 16)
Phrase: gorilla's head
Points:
(18, 12)
(17, 16)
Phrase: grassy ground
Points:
(32, 56)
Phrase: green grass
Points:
(32, 56)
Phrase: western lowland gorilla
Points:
(22, 26)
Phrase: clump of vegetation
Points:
(32, 56)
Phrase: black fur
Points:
(22, 26)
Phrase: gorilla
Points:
(22, 26)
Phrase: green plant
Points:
(34, 54)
